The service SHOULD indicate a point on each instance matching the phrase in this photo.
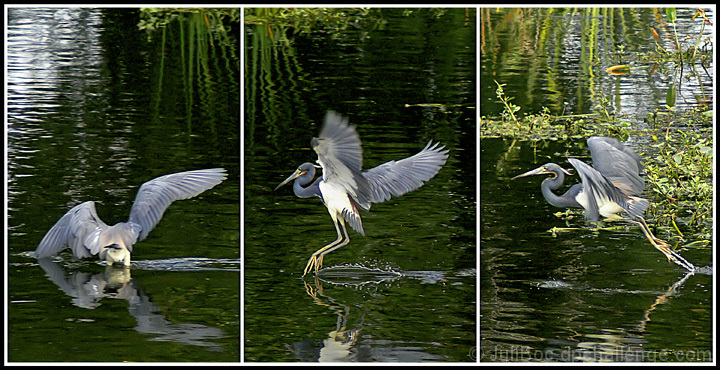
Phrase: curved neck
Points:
(301, 187)
(566, 200)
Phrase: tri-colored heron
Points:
(82, 230)
(613, 186)
(344, 188)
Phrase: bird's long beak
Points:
(537, 171)
(292, 177)
(540, 171)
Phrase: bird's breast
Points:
(335, 197)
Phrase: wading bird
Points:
(613, 186)
(82, 230)
(344, 188)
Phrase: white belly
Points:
(335, 198)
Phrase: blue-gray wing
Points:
(340, 154)
(618, 163)
(156, 195)
(396, 178)
(72, 230)
(599, 191)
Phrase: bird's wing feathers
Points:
(340, 154)
(352, 217)
(396, 178)
(72, 230)
(597, 189)
(86, 234)
(156, 195)
(339, 142)
(618, 163)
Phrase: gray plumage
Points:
(344, 187)
(615, 177)
(87, 235)
(613, 185)
(339, 153)
(396, 178)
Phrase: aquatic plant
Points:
(217, 21)
(510, 108)
(679, 175)
(678, 165)
(306, 20)
(680, 55)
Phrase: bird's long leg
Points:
(329, 249)
(316, 259)
(663, 246)
(649, 234)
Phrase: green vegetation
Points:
(691, 53)
(306, 20)
(679, 164)
(679, 174)
(214, 21)
(545, 124)
(678, 160)
(201, 41)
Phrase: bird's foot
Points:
(315, 262)
(680, 261)
(673, 256)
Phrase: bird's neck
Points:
(309, 191)
(564, 201)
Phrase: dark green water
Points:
(95, 110)
(582, 295)
(557, 57)
(390, 81)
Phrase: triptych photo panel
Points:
(290, 185)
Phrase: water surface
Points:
(582, 294)
(406, 290)
(553, 287)
(95, 110)
(557, 57)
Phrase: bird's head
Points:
(551, 169)
(115, 253)
(305, 170)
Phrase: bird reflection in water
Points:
(88, 290)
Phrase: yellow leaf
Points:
(619, 69)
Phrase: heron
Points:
(87, 235)
(613, 186)
(344, 188)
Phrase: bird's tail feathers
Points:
(636, 206)
(352, 217)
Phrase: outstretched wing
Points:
(156, 195)
(618, 163)
(71, 230)
(598, 192)
(396, 178)
(340, 154)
